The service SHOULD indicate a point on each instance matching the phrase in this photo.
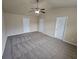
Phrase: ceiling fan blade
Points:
(42, 11)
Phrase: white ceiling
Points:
(23, 6)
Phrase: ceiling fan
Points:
(38, 10)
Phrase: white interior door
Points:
(41, 24)
(26, 24)
(60, 27)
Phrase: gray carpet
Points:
(36, 45)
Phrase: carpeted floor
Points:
(36, 45)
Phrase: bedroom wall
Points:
(15, 23)
(4, 34)
(70, 35)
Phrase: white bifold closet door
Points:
(60, 27)
(41, 24)
(26, 24)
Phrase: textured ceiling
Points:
(23, 6)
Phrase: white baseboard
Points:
(70, 43)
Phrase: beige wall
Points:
(70, 35)
(4, 34)
(14, 23)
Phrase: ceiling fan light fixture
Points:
(37, 11)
